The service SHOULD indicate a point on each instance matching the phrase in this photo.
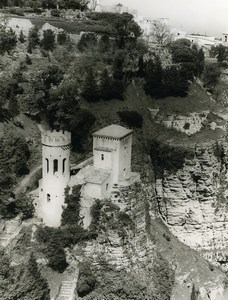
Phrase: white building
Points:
(111, 165)
(19, 24)
(111, 162)
(225, 38)
(55, 175)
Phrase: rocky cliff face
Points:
(193, 201)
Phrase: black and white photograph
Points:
(113, 150)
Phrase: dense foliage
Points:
(14, 154)
(220, 52)
(211, 76)
(8, 40)
(155, 284)
(131, 118)
(54, 240)
(22, 282)
(187, 62)
(70, 214)
(168, 158)
(74, 4)
(86, 280)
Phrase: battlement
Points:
(56, 138)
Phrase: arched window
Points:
(55, 165)
(47, 164)
(48, 197)
(102, 156)
(64, 164)
(106, 186)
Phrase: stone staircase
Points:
(11, 230)
(67, 290)
(68, 286)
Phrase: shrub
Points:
(70, 214)
(186, 126)
(95, 213)
(24, 205)
(167, 237)
(33, 39)
(165, 157)
(163, 278)
(16, 11)
(48, 41)
(80, 129)
(55, 12)
(124, 219)
(54, 241)
(131, 118)
(61, 38)
(87, 40)
(86, 280)
(21, 37)
(28, 60)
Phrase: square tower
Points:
(112, 151)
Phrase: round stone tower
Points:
(55, 175)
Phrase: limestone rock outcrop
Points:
(192, 201)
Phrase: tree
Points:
(24, 205)
(174, 83)
(87, 41)
(126, 30)
(70, 214)
(211, 76)
(52, 76)
(90, 88)
(33, 39)
(153, 77)
(161, 35)
(61, 38)
(104, 43)
(117, 67)
(105, 86)
(189, 57)
(48, 41)
(86, 280)
(14, 152)
(8, 40)
(63, 105)
(80, 126)
(220, 52)
(194, 293)
(21, 37)
(56, 256)
(131, 118)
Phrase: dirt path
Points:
(21, 186)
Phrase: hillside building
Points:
(55, 175)
(111, 165)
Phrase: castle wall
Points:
(98, 191)
(119, 160)
(112, 144)
(103, 159)
(124, 170)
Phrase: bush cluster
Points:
(168, 158)
(132, 118)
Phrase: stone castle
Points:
(110, 165)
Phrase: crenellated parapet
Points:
(56, 138)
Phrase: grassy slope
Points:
(197, 101)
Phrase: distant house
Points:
(20, 24)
